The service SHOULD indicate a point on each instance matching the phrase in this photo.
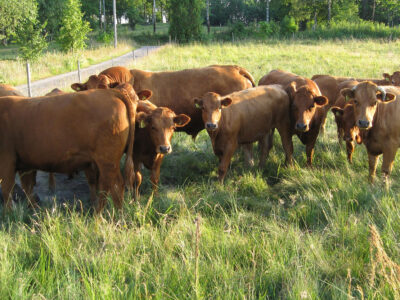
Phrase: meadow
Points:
(270, 233)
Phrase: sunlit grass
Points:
(275, 232)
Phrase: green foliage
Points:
(268, 29)
(74, 29)
(32, 39)
(185, 19)
(105, 37)
(50, 12)
(12, 13)
(288, 25)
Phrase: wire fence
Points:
(62, 81)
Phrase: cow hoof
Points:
(18, 194)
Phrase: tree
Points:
(73, 29)
(31, 37)
(50, 12)
(11, 15)
(185, 19)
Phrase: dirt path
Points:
(43, 86)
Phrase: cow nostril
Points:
(363, 124)
(301, 126)
(165, 149)
(211, 125)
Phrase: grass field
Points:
(288, 233)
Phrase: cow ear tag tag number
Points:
(142, 124)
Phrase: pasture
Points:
(275, 232)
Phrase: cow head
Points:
(348, 123)
(160, 123)
(366, 97)
(94, 82)
(393, 79)
(128, 89)
(304, 102)
(211, 105)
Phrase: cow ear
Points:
(291, 89)
(389, 97)
(142, 119)
(181, 120)
(347, 93)
(198, 103)
(145, 94)
(226, 102)
(386, 76)
(78, 87)
(113, 85)
(337, 111)
(321, 100)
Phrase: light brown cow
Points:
(177, 89)
(376, 114)
(8, 90)
(244, 117)
(87, 131)
(106, 79)
(307, 106)
(153, 133)
(349, 130)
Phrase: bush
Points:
(268, 29)
(105, 37)
(288, 25)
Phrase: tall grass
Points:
(276, 232)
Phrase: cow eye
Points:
(153, 128)
(311, 106)
(355, 102)
(376, 102)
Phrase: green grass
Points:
(290, 233)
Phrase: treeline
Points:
(272, 17)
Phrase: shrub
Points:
(268, 29)
(288, 25)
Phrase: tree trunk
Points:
(208, 16)
(373, 11)
(329, 11)
(364, 9)
(115, 22)
(104, 13)
(267, 11)
(154, 16)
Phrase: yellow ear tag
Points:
(347, 98)
(387, 79)
(142, 124)
(197, 105)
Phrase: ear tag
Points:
(387, 79)
(142, 124)
(143, 98)
(197, 105)
(337, 114)
(347, 98)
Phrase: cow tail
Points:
(247, 75)
(129, 174)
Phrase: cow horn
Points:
(379, 88)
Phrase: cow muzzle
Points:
(165, 149)
(301, 127)
(363, 124)
(211, 126)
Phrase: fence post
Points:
(79, 71)
(28, 74)
(170, 39)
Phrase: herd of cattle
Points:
(136, 112)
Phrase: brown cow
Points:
(8, 90)
(177, 89)
(244, 117)
(349, 130)
(306, 109)
(376, 114)
(153, 133)
(64, 133)
(330, 86)
(105, 79)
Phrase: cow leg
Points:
(323, 123)
(7, 180)
(155, 172)
(225, 160)
(264, 146)
(138, 183)
(28, 180)
(287, 144)
(52, 182)
(248, 154)
(387, 164)
(92, 178)
(110, 182)
(310, 150)
(350, 150)
(340, 134)
(372, 162)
